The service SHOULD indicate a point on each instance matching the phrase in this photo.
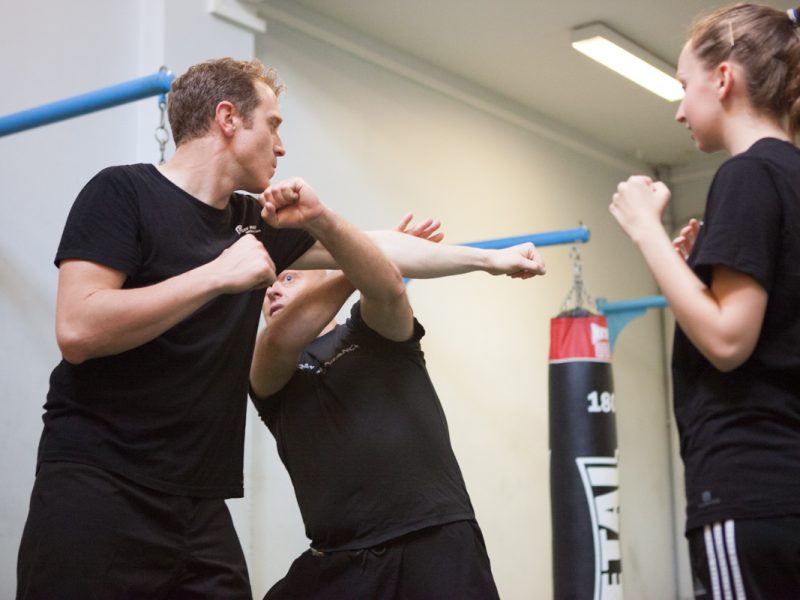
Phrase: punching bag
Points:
(583, 460)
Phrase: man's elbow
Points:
(388, 287)
(280, 340)
(258, 386)
(397, 288)
(270, 370)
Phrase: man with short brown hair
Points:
(162, 272)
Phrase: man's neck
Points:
(198, 168)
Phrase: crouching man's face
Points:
(286, 288)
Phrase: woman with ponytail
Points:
(734, 288)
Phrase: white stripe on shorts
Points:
(723, 562)
(733, 559)
(711, 557)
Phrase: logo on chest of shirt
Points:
(327, 364)
(243, 229)
(707, 499)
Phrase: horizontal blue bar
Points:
(550, 238)
(136, 89)
(628, 305)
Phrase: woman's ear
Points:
(725, 76)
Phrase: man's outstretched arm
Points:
(290, 204)
(421, 259)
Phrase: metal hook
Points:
(161, 134)
(582, 299)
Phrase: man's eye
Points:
(289, 278)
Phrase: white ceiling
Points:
(520, 50)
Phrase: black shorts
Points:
(756, 559)
(91, 534)
(438, 563)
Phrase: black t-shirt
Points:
(168, 414)
(740, 431)
(364, 438)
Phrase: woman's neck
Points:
(748, 128)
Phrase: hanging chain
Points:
(582, 299)
(162, 135)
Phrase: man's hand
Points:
(291, 204)
(246, 265)
(520, 262)
(427, 230)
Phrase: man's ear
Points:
(226, 117)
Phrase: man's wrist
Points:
(326, 223)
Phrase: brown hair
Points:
(766, 43)
(194, 95)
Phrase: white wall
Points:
(375, 145)
(46, 55)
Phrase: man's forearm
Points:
(302, 320)
(102, 322)
(421, 259)
(279, 346)
(96, 317)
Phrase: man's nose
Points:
(273, 291)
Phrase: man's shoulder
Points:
(122, 175)
(131, 170)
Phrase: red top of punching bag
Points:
(579, 338)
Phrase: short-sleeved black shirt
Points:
(364, 438)
(740, 431)
(169, 414)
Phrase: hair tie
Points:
(793, 16)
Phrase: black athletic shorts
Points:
(437, 563)
(92, 535)
(752, 559)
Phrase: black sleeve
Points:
(743, 221)
(266, 406)
(103, 224)
(360, 327)
(286, 245)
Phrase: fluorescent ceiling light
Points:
(610, 49)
